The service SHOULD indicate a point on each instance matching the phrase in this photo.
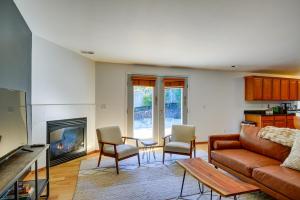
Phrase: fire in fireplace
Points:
(67, 139)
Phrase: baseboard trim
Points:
(203, 142)
(93, 151)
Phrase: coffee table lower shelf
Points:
(214, 179)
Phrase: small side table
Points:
(148, 148)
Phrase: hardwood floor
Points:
(63, 178)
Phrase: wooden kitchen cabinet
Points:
(281, 121)
(267, 89)
(271, 88)
(298, 89)
(267, 121)
(290, 122)
(258, 84)
(276, 89)
(254, 88)
(284, 89)
(293, 89)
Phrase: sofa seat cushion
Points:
(241, 160)
(283, 180)
(123, 150)
(179, 147)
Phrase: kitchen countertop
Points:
(262, 113)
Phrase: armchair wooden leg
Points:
(117, 165)
(99, 160)
(163, 158)
(138, 155)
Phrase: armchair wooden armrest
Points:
(109, 143)
(131, 138)
(166, 137)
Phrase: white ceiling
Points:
(214, 34)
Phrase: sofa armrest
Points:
(213, 138)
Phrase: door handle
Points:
(161, 112)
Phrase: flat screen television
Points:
(13, 122)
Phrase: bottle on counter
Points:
(269, 110)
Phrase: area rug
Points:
(151, 181)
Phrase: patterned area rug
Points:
(151, 181)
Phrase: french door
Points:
(154, 105)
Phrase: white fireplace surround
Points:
(63, 87)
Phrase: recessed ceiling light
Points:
(87, 52)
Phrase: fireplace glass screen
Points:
(65, 141)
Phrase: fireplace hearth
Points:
(67, 139)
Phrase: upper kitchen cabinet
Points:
(267, 89)
(254, 87)
(275, 89)
(271, 88)
(298, 89)
(293, 89)
(284, 89)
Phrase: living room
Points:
(86, 64)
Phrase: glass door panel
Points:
(154, 104)
(143, 112)
(173, 104)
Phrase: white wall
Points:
(215, 99)
(215, 102)
(63, 86)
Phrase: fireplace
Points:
(67, 139)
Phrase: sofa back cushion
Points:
(251, 141)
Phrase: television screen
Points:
(13, 120)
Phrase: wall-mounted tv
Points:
(13, 121)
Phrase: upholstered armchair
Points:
(181, 141)
(112, 144)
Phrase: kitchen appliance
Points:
(284, 107)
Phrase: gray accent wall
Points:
(15, 52)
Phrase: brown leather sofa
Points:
(256, 161)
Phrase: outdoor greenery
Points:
(147, 100)
(173, 95)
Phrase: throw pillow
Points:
(293, 160)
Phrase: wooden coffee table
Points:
(217, 181)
